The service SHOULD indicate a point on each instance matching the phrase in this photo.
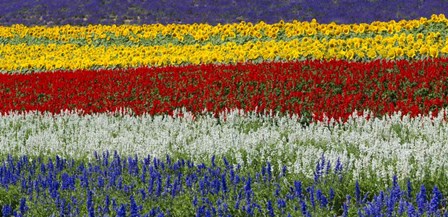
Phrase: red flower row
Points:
(336, 88)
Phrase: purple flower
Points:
(298, 189)
(213, 161)
(226, 163)
(90, 206)
(6, 210)
(421, 200)
(224, 183)
(409, 189)
(106, 209)
(435, 201)
(269, 171)
(100, 182)
(310, 191)
(23, 207)
(284, 170)
(281, 203)
(135, 210)
(411, 210)
(303, 208)
(328, 169)
(345, 209)
(121, 212)
(331, 194)
(270, 209)
(321, 198)
(401, 207)
(357, 192)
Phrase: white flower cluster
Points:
(369, 148)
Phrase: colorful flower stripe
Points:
(125, 186)
(80, 12)
(336, 88)
(186, 34)
(29, 58)
(372, 149)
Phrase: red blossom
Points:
(334, 88)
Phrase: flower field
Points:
(230, 108)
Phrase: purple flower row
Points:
(153, 187)
(82, 12)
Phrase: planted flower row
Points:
(120, 186)
(27, 56)
(31, 58)
(372, 149)
(77, 12)
(158, 34)
(334, 88)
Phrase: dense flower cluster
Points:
(27, 49)
(298, 117)
(207, 32)
(335, 88)
(153, 187)
(79, 12)
(372, 149)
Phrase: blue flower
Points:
(310, 191)
(303, 208)
(6, 210)
(421, 200)
(106, 209)
(23, 207)
(357, 192)
(90, 206)
(226, 163)
(298, 189)
(224, 183)
(270, 209)
(401, 207)
(411, 210)
(121, 212)
(409, 189)
(135, 210)
(321, 198)
(435, 201)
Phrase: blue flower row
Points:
(115, 186)
(81, 12)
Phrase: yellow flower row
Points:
(69, 56)
(202, 32)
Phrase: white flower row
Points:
(377, 147)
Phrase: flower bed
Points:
(257, 118)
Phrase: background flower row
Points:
(80, 12)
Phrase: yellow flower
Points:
(399, 52)
(337, 30)
(442, 18)
(423, 20)
(410, 38)
(424, 50)
(318, 55)
(360, 54)
(444, 49)
(371, 54)
(410, 53)
(310, 32)
(433, 52)
(434, 18)
(378, 38)
(340, 54)
(391, 54)
(350, 54)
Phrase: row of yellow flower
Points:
(202, 32)
(69, 56)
